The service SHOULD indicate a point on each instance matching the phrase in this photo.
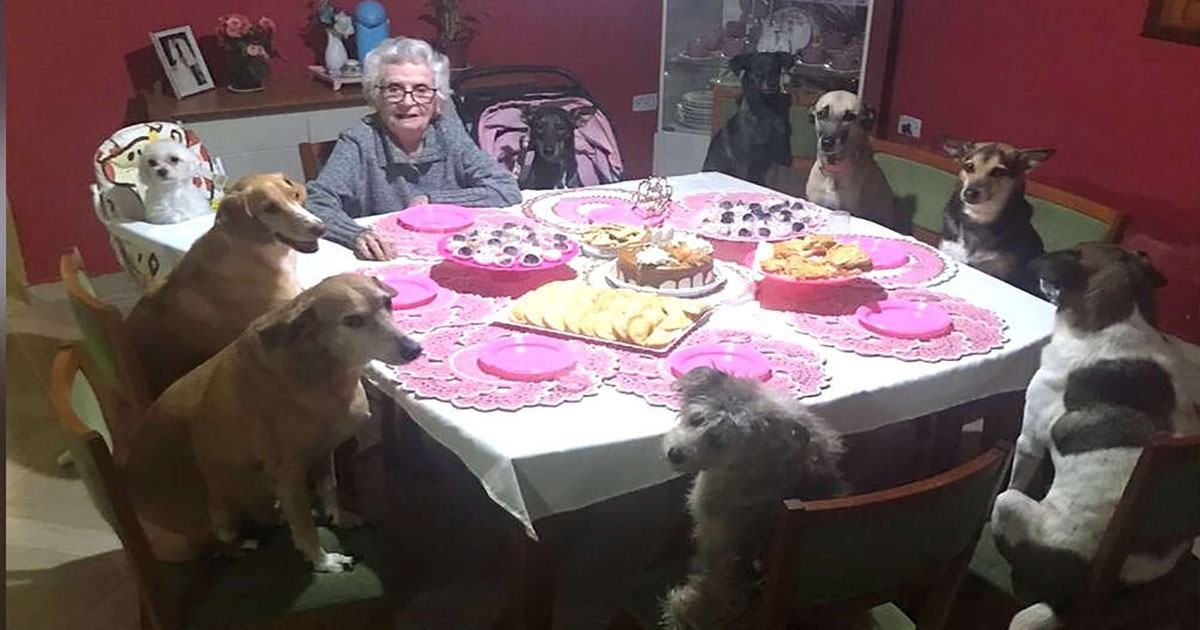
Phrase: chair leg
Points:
(343, 466)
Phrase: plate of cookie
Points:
(602, 240)
(617, 317)
(815, 259)
(509, 247)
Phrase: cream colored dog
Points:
(845, 175)
(241, 268)
(259, 421)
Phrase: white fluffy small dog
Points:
(750, 449)
(167, 168)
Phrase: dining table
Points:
(543, 452)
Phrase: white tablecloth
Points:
(543, 460)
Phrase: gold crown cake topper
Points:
(653, 197)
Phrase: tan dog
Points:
(259, 421)
(845, 175)
(241, 268)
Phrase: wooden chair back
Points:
(80, 414)
(313, 156)
(908, 543)
(1160, 506)
(107, 347)
(923, 181)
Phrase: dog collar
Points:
(832, 168)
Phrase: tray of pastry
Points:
(622, 318)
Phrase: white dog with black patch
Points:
(167, 169)
(1108, 380)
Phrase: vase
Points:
(241, 77)
(335, 54)
(456, 51)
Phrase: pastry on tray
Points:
(816, 257)
(670, 260)
(607, 238)
(754, 220)
(642, 319)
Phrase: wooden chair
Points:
(1161, 504)
(106, 348)
(267, 585)
(313, 156)
(839, 556)
(923, 181)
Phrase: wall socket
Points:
(909, 126)
(645, 102)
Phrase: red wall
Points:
(1123, 111)
(68, 88)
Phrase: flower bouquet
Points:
(248, 46)
(338, 26)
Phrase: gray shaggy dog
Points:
(750, 448)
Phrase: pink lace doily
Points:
(423, 245)
(562, 209)
(447, 371)
(829, 318)
(692, 207)
(796, 371)
(926, 266)
(449, 308)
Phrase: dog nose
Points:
(162, 172)
(317, 231)
(828, 142)
(971, 195)
(674, 455)
(409, 350)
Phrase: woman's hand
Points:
(371, 246)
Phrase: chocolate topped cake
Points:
(668, 261)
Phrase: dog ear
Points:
(957, 149)
(1060, 270)
(581, 115)
(527, 112)
(786, 59)
(1031, 158)
(1149, 273)
(234, 206)
(866, 116)
(289, 328)
(739, 63)
(387, 288)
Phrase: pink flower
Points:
(266, 23)
(254, 50)
(236, 25)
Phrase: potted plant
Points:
(454, 29)
(248, 47)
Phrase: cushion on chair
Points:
(115, 164)
(275, 580)
(1061, 227)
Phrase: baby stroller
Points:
(489, 103)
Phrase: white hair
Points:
(400, 50)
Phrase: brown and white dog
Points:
(987, 222)
(1108, 379)
(259, 421)
(845, 175)
(241, 268)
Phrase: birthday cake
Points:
(669, 260)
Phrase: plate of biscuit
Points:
(815, 259)
(619, 317)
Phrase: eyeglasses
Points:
(421, 94)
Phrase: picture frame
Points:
(1173, 20)
(181, 61)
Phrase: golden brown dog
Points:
(259, 421)
(241, 268)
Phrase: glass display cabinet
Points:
(839, 45)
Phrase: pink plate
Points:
(905, 319)
(436, 217)
(412, 291)
(811, 282)
(443, 248)
(730, 358)
(885, 253)
(526, 358)
(621, 212)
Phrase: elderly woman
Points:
(405, 154)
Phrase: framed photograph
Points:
(1174, 20)
(181, 60)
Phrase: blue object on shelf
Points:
(370, 27)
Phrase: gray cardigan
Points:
(368, 174)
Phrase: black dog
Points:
(552, 140)
(759, 134)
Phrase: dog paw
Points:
(332, 562)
